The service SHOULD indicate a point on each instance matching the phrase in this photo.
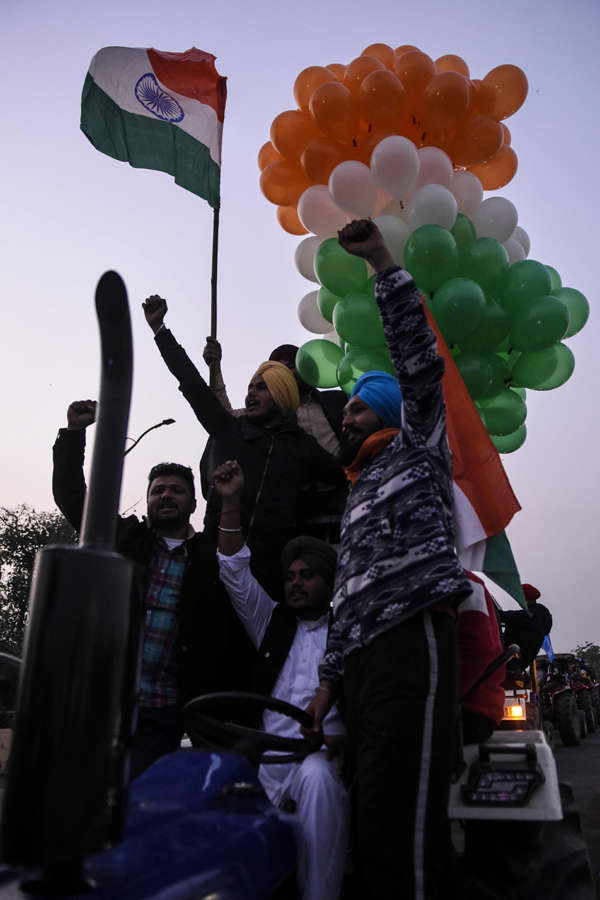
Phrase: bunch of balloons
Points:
(403, 150)
(345, 111)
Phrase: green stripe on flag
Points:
(147, 143)
(499, 565)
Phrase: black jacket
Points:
(213, 651)
(281, 465)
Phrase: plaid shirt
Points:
(158, 683)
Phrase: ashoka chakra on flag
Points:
(161, 104)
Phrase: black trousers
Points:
(400, 694)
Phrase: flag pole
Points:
(213, 287)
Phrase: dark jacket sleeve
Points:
(68, 482)
(209, 412)
(413, 348)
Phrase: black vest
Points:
(274, 649)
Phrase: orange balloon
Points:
(287, 216)
(452, 63)
(358, 69)
(404, 48)
(478, 139)
(291, 131)
(414, 69)
(334, 110)
(320, 158)
(498, 170)
(510, 89)
(482, 97)
(382, 98)
(507, 134)
(446, 98)
(307, 81)
(338, 69)
(267, 154)
(382, 52)
(283, 182)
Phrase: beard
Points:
(350, 444)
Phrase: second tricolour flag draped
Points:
(484, 502)
(158, 110)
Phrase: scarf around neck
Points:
(370, 447)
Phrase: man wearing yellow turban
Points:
(282, 464)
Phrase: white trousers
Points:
(323, 810)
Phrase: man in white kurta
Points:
(314, 785)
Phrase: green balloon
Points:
(524, 281)
(545, 369)
(490, 332)
(500, 374)
(326, 302)
(508, 443)
(430, 256)
(476, 373)
(555, 280)
(317, 362)
(458, 306)
(359, 360)
(565, 364)
(486, 262)
(463, 232)
(339, 271)
(357, 320)
(503, 413)
(539, 324)
(578, 308)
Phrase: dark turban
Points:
(315, 553)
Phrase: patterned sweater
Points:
(397, 555)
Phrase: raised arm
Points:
(252, 604)
(212, 355)
(209, 412)
(410, 340)
(68, 482)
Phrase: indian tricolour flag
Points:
(158, 110)
(484, 502)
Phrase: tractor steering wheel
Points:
(253, 739)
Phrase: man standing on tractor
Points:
(392, 647)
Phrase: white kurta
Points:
(321, 798)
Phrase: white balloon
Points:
(395, 166)
(514, 249)
(435, 167)
(520, 235)
(352, 187)
(432, 204)
(318, 213)
(305, 255)
(468, 191)
(496, 218)
(395, 234)
(310, 315)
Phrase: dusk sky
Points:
(70, 213)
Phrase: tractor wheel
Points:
(588, 708)
(566, 717)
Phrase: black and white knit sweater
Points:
(397, 553)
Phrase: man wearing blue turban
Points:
(392, 647)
